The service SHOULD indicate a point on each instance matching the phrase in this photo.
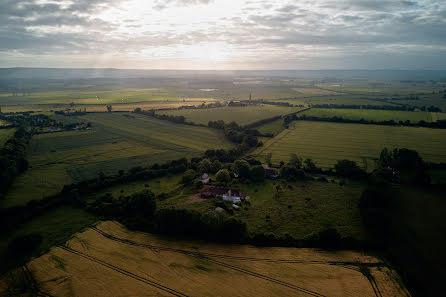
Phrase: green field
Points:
(240, 115)
(117, 141)
(374, 115)
(345, 99)
(5, 134)
(274, 127)
(326, 142)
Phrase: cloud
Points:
(253, 33)
(160, 5)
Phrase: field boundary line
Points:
(344, 264)
(204, 256)
(125, 272)
(273, 141)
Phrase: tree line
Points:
(237, 134)
(13, 158)
(440, 124)
(380, 208)
(379, 107)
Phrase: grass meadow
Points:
(375, 115)
(241, 115)
(116, 141)
(326, 143)
(274, 127)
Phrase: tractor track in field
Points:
(346, 265)
(32, 283)
(262, 276)
(375, 287)
(125, 272)
(204, 256)
(208, 257)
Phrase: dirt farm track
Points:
(109, 260)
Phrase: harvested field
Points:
(327, 142)
(112, 261)
(241, 115)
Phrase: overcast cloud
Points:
(224, 34)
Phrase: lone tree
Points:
(204, 165)
(241, 167)
(223, 176)
(188, 177)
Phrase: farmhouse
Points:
(231, 195)
(204, 178)
(80, 126)
(53, 129)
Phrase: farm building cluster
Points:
(226, 194)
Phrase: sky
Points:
(223, 34)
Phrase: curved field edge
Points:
(136, 263)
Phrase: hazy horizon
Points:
(223, 35)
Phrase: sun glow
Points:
(179, 28)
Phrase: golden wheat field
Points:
(109, 260)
